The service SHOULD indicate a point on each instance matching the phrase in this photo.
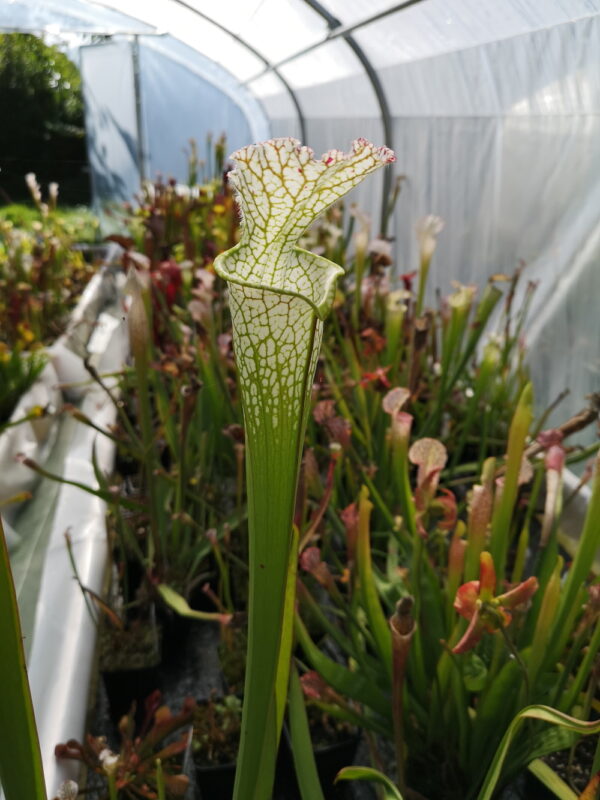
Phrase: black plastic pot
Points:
(130, 662)
(216, 782)
(526, 787)
(175, 631)
(330, 759)
(124, 687)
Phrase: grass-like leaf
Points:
(21, 772)
(542, 713)
(551, 780)
(302, 749)
(181, 606)
(390, 792)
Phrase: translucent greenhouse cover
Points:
(492, 106)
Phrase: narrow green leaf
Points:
(302, 749)
(584, 672)
(488, 302)
(495, 708)
(160, 780)
(377, 621)
(545, 619)
(536, 745)
(327, 626)
(287, 633)
(180, 605)
(551, 780)
(356, 685)
(542, 713)
(501, 519)
(586, 551)
(21, 771)
(390, 792)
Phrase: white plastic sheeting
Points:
(495, 110)
(145, 100)
(59, 634)
(206, 103)
(112, 138)
(503, 141)
(63, 17)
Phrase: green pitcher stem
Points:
(275, 396)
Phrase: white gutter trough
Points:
(60, 635)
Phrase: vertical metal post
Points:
(386, 117)
(88, 135)
(139, 119)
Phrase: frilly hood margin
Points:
(281, 189)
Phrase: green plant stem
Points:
(423, 274)
(586, 550)
(501, 519)
(274, 449)
(112, 787)
(145, 416)
(517, 656)
(302, 750)
(160, 781)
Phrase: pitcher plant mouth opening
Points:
(279, 296)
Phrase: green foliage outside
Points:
(78, 222)
(42, 127)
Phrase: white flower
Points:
(109, 761)
(33, 187)
(68, 791)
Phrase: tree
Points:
(42, 127)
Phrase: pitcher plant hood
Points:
(281, 189)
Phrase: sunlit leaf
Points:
(390, 792)
(21, 772)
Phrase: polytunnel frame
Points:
(336, 30)
(268, 65)
(334, 23)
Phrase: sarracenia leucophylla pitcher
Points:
(279, 297)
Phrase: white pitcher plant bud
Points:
(138, 285)
(53, 195)
(68, 791)
(428, 229)
(34, 188)
(109, 761)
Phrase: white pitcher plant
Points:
(279, 298)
